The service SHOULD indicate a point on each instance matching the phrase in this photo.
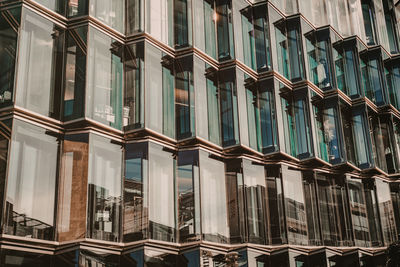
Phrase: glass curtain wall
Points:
(40, 65)
(105, 79)
(31, 184)
(9, 24)
(104, 189)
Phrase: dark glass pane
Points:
(369, 21)
(209, 28)
(223, 15)
(261, 35)
(168, 101)
(303, 129)
(12, 258)
(133, 111)
(213, 109)
(135, 197)
(134, 16)
(386, 211)
(311, 202)
(8, 50)
(105, 196)
(266, 102)
(55, 5)
(319, 63)
(181, 23)
(373, 214)
(351, 73)
(90, 258)
(31, 182)
(295, 54)
(75, 73)
(4, 145)
(77, 8)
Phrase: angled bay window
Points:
(262, 117)
(346, 61)
(104, 189)
(75, 73)
(214, 220)
(104, 79)
(296, 219)
(368, 12)
(72, 188)
(256, 46)
(328, 127)
(297, 128)
(391, 27)
(9, 24)
(31, 185)
(40, 66)
(319, 59)
(289, 49)
(133, 111)
(188, 196)
(334, 210)
(135, 209)
(161, 193)
(275, 207)
(386, 211)
(362, 145)
(218, 29)
(372, 77)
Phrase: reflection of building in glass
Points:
(220, 133)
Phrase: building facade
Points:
(199, 132)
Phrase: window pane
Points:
(266, 102)
(352, 73)
(311, 205)
(295, 54)
(105, 73)
(134, 16)
(109, 12)
(72, 188)
(135, 192)
(168, 103)
(104, 211)
(213, 108)
(229, 109)
(213, 200)
(161, 194)
(210, 18)
(386, 211)
(31, 182)
(361, 141)
(8, 51)
(55, 5)
(369, 21)
(75, 73)
(77, 8)
(223, 13)
(40, 65)
(159, 20)
(14, 258)
(181, 21)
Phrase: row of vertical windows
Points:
(181, 196)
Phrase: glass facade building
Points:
(199, 133)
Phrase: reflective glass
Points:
(111, 13)
(361, 140)
(8, 52)
(373, 82)
(212, 109)
(213, 200)
(373, 214)
(105, 79)
(77, 7)
(15, 258)
(182, 22)
(210, 18)
(228, 109)
(104, 196)
(386, 211)
(159, 20)
(31, 183)
(390, 21)
(161, 194)
(72, 188)
(135, 223)
(223, 16)
(134, 16)
(319, 63)
(40, 65)
(311, 204)
(393, 82)
(369, 21)
(55, 5)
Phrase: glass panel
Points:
(339, 69)
(181, 21)
(223, 13)
(8, 51)
(184, 98)
(351, 73)
(159, 20)
(369, 21)
(135, 192)
(161, 194)
(254, 180)
(40, 65)
(395, 194)
(55, 5)
(13, 258)
(111, 13)
(282, 52)
(168, 103)
(133, 111)
(358, 210)
(261, 35)
(266, 102)
(253, 118)
(75, 73)
(275, 203)
(390, 20)
(319, 63)
(386, 212)
(31, 182)
(248, 40)
(77, 8)
(72, 188)
(295, 54)
(229, 109)
(187, 186)
(303, 129)
(393, 82)
(373, 80)
(210, 18)
(289, 128)
(213, 108)
(4, 145)
(361, 144)
(213, 200)
(294, 206)
(105, 78)
(373, 214)
(134, 16)
(311, 202)
(105, 196)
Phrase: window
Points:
(256, 47)
(134, 16)
(289, 50)
(55, 5)
(393, 82)
(109, 12)
(77, 8)
(135, 224)
(31, 182)
(311, 205)
(386, 211)
(40, 65)
(372, 77)
(218, 22)
(262, 117)
(369, 21)
(361, 139)
(133, 111)
(104, 196)
(391, 28)
(105, 79)
(212, 109)
(8, 52)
